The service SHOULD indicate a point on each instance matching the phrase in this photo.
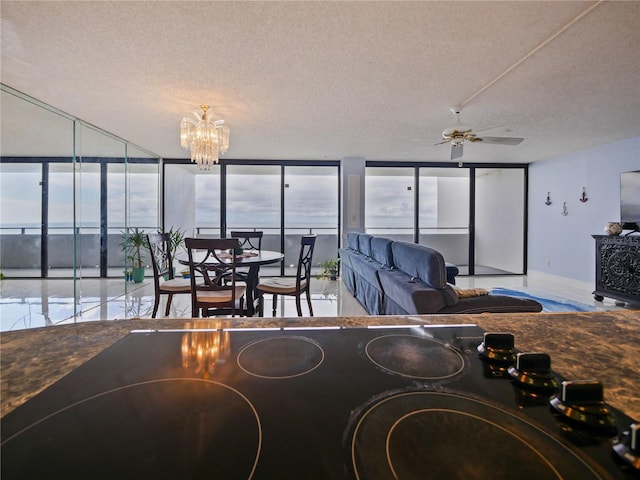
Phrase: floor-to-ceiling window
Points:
(390, 202)
(284, 199)
(253, 201)
(74, 200)
(310, 206)
(475, 215)
(443, 222)
(500, 222)
(21, 219)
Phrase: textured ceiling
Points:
(316, 80)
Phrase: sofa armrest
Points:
(415, 297)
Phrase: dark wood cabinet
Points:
(618, 267)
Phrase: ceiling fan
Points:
(459, 132)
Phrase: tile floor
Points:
(37, 303)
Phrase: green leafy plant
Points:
(330, 269)
(133, 243)
(176, 240)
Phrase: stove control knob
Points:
(498, 347)
(582, 402)
(628, 446)
(533, 369)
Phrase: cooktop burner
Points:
(282, 357)
(416, 357)
(363, 403)
(445, 435)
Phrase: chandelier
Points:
(204, 138)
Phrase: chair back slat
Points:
(249, 240)
(161, 260)
(307, 245)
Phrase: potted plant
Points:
(175, 245)
(176, 241)
(330, 269)
(128, 271)
(133, 244)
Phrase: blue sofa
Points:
(398, 278)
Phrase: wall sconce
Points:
(583, 198)
(548, 201)
(564, 211)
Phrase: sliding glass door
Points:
(282, 199)
(253, 202)
(500, 221)
(21, 219)
(310, 206)
(475, 216)
(390, 202)
(444, 213)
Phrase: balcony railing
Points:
(20, 247)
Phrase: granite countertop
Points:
(592, 345)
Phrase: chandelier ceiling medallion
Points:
(205, 139)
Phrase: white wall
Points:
(562, 245)
(179, 197)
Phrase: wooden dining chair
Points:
(249, 240)
(164, 281)
(291, 286)
(211, 259)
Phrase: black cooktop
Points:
(364, 403)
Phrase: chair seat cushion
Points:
(282, 285)
(214, 297)
(176, 285)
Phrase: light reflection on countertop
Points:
(591, 345)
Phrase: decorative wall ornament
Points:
(564, 211)
(548, 201)
(613, 228)
(583, 198)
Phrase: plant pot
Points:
(167, 277)
(138, 275)
(333, 274)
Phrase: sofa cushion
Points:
(381, 251)
(493, 304)
(352, 240)
(364, 244)
(421, 262)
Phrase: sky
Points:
(253, 198)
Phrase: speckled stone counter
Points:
(594, 345)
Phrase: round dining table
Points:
(252, 259)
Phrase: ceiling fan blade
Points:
(501, 140)
(456, 151)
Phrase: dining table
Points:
(253, 259)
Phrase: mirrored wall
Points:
(69, 191)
